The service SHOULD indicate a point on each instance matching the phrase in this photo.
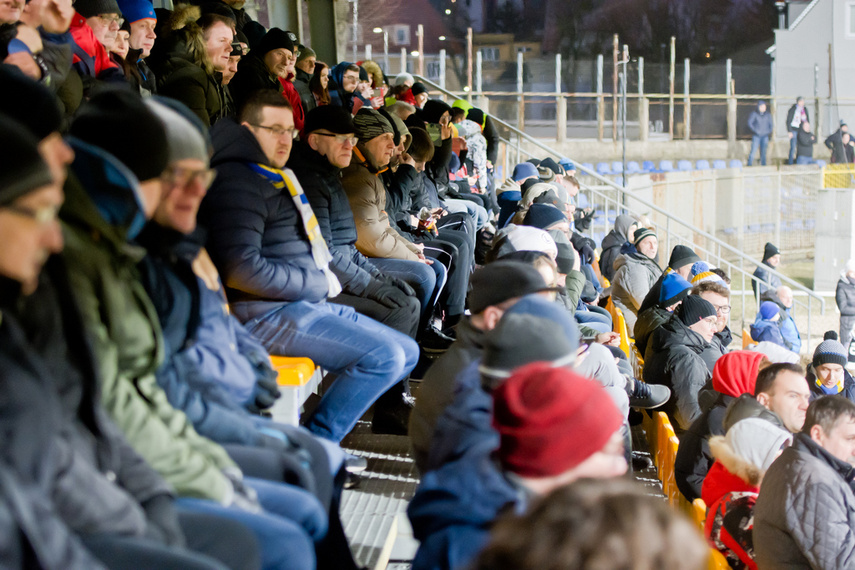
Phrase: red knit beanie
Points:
(551, 420)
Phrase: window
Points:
(850, 19)
(399, 35)
(490, 53)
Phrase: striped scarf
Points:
(320, 252)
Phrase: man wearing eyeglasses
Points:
(94, 28)
(266, 242)
(718, 295)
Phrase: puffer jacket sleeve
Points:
(688, 374)
(190, 86)
(820, 523)
(636, 284)
(845, 297)
(375, 237)
(236, 227)
(574, 285)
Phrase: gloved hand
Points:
(264, 394)
(387, 295)
(400, 284)
(162, 521)
(583, 222)
(587, 254)
(242, 497)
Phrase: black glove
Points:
(162, 521)
(583, 222)
(586, 254)
(264, 395)
(400, 284)
(386, 294)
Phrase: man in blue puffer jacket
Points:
(275, 266)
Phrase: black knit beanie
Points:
(120, 123)
(22, 169)
(681, 256)
(694, 309)
(642, 233)
(30, 102)
(770, 251)
(89, 8)
(275, 39)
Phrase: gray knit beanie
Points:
(830, 352)
(757, 441)
(183, 138)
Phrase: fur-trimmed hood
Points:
(733, 463)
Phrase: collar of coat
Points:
(360, 158)
(804, 444)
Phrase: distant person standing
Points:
(845, 297)
(760, 124)
(805, 140)
(765, 280)
(834, 142)
(843, 152)
(795, 116)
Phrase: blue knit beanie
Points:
(768, 310)
(674, 289)
(136, 10)
(543, 215)
(524, 170)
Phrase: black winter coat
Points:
(321, 183)
(816, 392)
(673, 359)
(182, 79)
(256, 236)
(648, 321)
(251, 76)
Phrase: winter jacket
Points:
(32, 534)
(175, 292)
(105, 465)
(767, 280)
(816, 391)
(455, 506)
(845, 295)
(321, 183)
(805, 512)
(301, 84)
(612, 244)
(767, 330)
(694, 458)
(122, 327)
(289, 91)
(648, 321)
(834, 143)
(508, 195)
(183, 79)
(760, 123)
(438, 387)
(730, 490)
(791, 114)
(367, 196)
(90, 57)
(338, 96)
(251, 76)
(635, 274)
(673, 359)
(787, 325)
(255, 233)
(804, 143)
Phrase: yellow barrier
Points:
(838, 176)
(620, 328)
(292, 370)
(746, 339)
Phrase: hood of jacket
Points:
(735, 374)
(721, 480)
(673, 334)
(747, 406)
(235, 143)
(621, 228)
(613, 239)
(634, 257)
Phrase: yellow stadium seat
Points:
(699, 513)
(620, 328)
(718, 561)
(746, 339)
(292, 370)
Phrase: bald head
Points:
(785, 294)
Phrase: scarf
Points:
(320, 252)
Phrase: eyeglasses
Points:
(722, 309)
(107, 20)
(43, 216)
(279, 131)
(710, 321)
(183, 177)
(341, 139)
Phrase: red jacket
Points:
(730, 516)
(91, 58)
(290, 93)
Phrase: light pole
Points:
(385, 47)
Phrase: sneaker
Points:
(434, 341)
(648, 396)
(640, 461)
(355, 463)
(351, 480)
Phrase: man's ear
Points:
(817, 434)
(311, 141)
(763, 399)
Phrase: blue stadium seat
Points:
(684, 165)
(719, 164)
(603, 168)
(588, 165)
(648, 166)
(632, 167)
(617, 167)
(819, 162)
(735, 163)
(702, 165)
(666, 166)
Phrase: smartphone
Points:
(435, 132)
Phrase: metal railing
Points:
(671, 229)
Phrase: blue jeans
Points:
(793, 146)
(762, 143)
(427, 280)
(291, 521)
(367, 357)
(805, 160)
(593, 320)
(478, 213)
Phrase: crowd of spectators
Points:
(184, 194)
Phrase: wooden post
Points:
(671, 89)
(615, 48)
(687, 105)
(601, 107)
(469, 64)
(420, 32)
(560, 104)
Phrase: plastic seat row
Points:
(648, 166)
